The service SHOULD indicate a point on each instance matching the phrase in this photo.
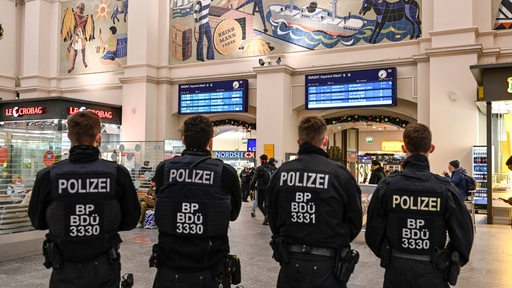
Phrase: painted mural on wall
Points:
(504, 15)
(93, 36)
(203, 30)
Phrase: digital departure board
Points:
(353, 89)
(213, 97)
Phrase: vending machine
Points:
(479, 159)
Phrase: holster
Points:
(385, 254)
(280, 252)
(52, 255)
(113, 253)
(346, 260)
(448, 261)
(153, 259)
(233, 268)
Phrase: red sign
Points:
(4, 154)
(20, 111)
(49, 158)
(100, 113)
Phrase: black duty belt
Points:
(411, 256)
(329, 252)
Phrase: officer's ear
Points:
(210, 144)
(97, 140)
(432, 148)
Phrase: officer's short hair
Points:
(83, 127)
(197, 132)
(312, 129)
(417, 138)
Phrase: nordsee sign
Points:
(230, 154)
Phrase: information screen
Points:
(363, 88)
(213, 97)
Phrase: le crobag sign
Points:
(101, 113)
(56, 108)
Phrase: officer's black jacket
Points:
(127, 194)
(417, 177)
(197, 254)
(337, 208)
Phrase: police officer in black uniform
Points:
(314, 208)
(196, 197)
(84, 201)
(409, 216)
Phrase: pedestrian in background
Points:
(457, 177)
(260, 181)
(377, 174)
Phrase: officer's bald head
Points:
(418, 139)
(84, 128)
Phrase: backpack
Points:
(470, 183)
(269, 171)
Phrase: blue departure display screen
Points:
(213, 97)
(363, 88)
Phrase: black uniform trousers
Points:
(96, 273)
(411, 273)
(167, 278)
(308, 271)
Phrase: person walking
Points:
(84, 201)
(245, 179)
(410, 216)
(196, 197)
(377, 174)
(314, 212)
(260, 181)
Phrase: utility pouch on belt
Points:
(346, 260)
(52, 257)
(280, 252)
(385, 254)
(127, 281)
(233, 268)
(153, 259)
(448, 262)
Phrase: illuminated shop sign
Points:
(233, 154)
(20, 111)
(509, 80)
(101, 113)
(56, 108)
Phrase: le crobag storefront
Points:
(23, 123)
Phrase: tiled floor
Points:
(490, 265)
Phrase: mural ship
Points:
(311, 18)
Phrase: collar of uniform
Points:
(83, 153)
(306, 148)
(197, 152)
(416, 162)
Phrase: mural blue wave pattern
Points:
(393, 31)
